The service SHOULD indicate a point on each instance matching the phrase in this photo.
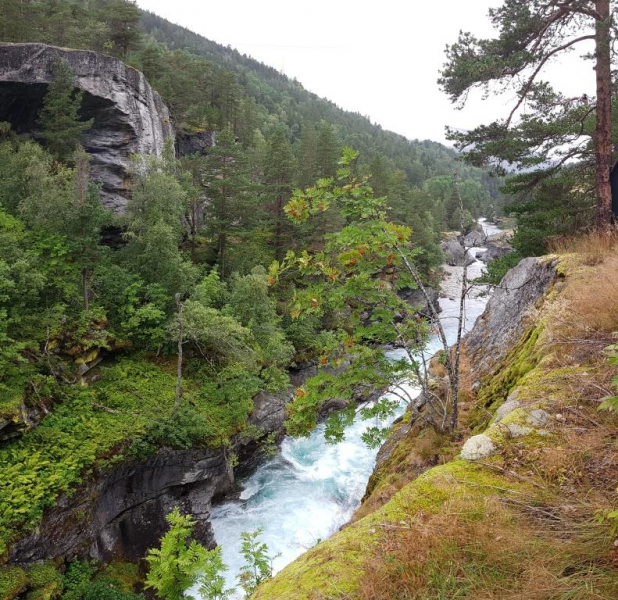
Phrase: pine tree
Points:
(553, 129)
(307, 157)
(379, 175)
(123, 17)
(327, 152)
(233, 211)
(61, 126)
(247, 121)
(279, 175)
(226, 97)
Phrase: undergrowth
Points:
(131, 410)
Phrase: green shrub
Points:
(106, 590)
(76, 579)
(124, 576)
(46, 582)
(13, 581)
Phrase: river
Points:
(307, 491)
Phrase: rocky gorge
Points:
(528, 413)
(118, 513)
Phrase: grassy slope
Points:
(93, 427)
(521, 524)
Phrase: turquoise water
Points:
(310, 489)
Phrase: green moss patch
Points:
(13, 581)
(334, 568)
(495, 389)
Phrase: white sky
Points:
(380, 59)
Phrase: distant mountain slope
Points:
(289, 100)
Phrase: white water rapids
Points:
(310, 489)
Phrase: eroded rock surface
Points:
(129, 116)
(508, 310)
(122, 514)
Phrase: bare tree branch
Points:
(528, 86)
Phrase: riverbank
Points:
(512, 507)
(308, 491)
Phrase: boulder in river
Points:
(454, 253)
(475, 239)
(495, 250)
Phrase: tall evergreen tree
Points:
(232, 210)
(279, 176)
(544, 126)
(247, 121)
(307, 156)
(123, 17)
(379, 175)
(62, 128)
(327, 151)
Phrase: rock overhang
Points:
(129, 116)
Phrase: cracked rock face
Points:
(508, 311)
(129, 116)
(122, 514)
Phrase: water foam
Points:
(310, 489)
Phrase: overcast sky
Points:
(379, 58)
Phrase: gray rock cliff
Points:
(508, 311)
(129, 116)
(120, 512)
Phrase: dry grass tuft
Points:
(593, 246)
(584, 317)
(493, 551)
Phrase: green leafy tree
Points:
(61, 125)
(258, 565)
(251, 303)
(175, 567)
(64, 202)
(154, 227)
(553, 129)
(354, 281)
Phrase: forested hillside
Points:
(208, 86)
(209, 291)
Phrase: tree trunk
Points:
(603, 141)
(462, 310)
(85, 282)
(178, 394)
